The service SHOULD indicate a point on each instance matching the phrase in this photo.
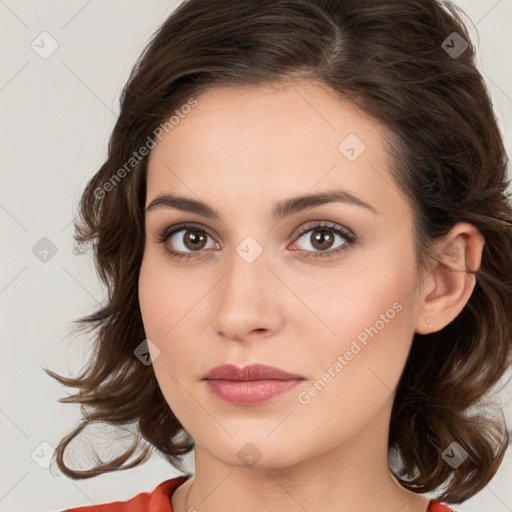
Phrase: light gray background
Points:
(56, 116)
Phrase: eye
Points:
(183, 240)
(193, 239)
(319, 239)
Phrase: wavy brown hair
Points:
(395, 60)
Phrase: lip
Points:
(251, 385)
(249, 372)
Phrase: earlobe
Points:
(452, 282)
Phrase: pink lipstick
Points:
(250, 385)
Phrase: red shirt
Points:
(160, 501)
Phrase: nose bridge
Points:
(247, 298)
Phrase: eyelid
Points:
(327, 224)
(174, 228)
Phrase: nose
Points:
(249, 300)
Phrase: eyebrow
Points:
(280, 209)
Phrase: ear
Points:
(449, 286)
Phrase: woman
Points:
(304, 230)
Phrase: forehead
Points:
(269, 142)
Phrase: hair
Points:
(388, 58)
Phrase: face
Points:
(325, 290)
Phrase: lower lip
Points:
(250, 392)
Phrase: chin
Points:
(254, 452)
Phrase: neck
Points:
(273, 492)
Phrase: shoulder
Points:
(436, 506)
(158, 500)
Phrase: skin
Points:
(240, 150)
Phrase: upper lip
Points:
(249, 372)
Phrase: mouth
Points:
(251, 385)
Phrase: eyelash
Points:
(349, 238)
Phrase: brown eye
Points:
(324, 240)
(184, 240)
(321, 239)
(194, 240)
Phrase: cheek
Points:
(170, 308)
(153, 302)
(358, 374)
(165, 300)
(367, 309)
(359, 366)
(164, 296)
(365, 289)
